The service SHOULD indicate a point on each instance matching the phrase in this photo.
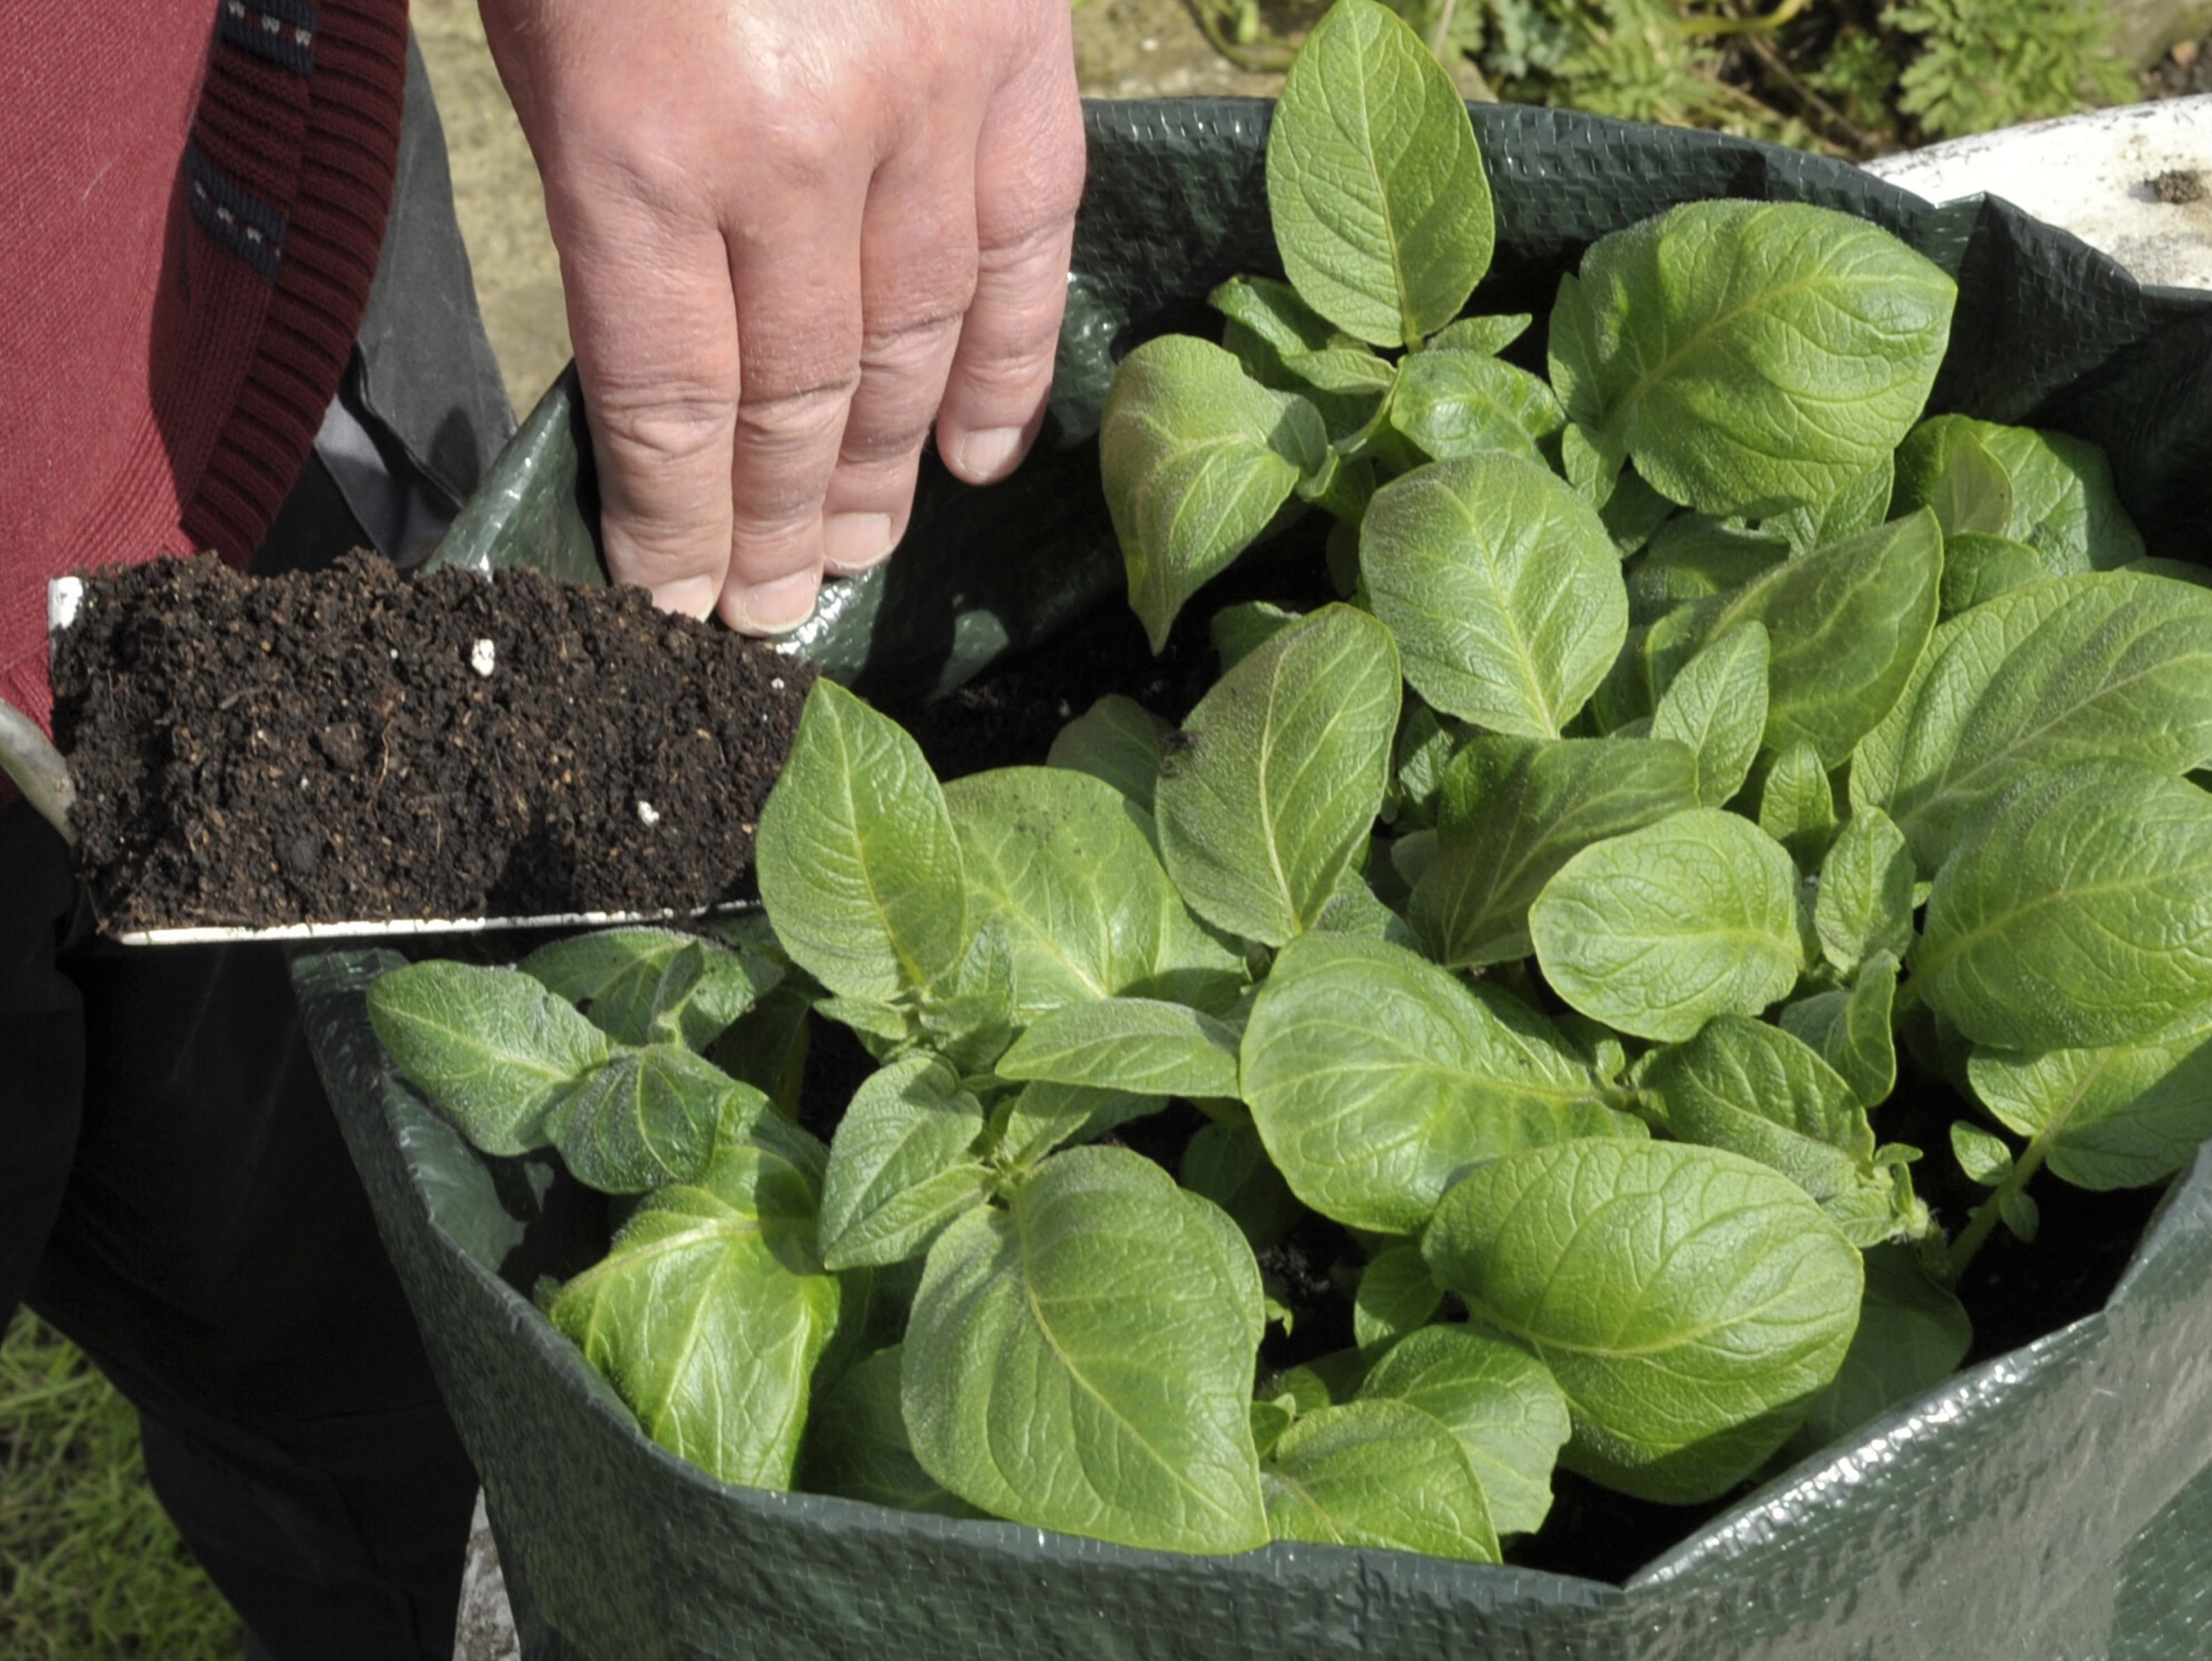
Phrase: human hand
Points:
(791, 234)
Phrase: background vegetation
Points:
(1853, 77)
(90, 1569)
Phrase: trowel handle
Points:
(30, 758)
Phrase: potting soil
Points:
(348, 745)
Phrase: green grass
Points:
(90, 1569)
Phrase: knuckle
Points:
(908, 345)
(804, 142)
(669, 425)
(795, 420)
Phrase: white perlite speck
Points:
(482, 657)
(777, 685)
(64, 595)
(647, 814)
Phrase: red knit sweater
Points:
(195, 193)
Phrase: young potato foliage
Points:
(1536, 930)
(1688, 1300)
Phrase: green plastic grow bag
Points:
(2056, 1501)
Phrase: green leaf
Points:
(649, 1116)
(1116, 739)
(492, 1048)
(1860, 505)
(857, 1445)
(1456, 404)
(1911, 1335)
(856, 858)
(1356, 909)
(2076, 912)
(1374, 1078)
(1971, 493)
(1634, 514)
(1063, 865)
(1689, 1301)
(1501, 587)
(2023, 1217)
(1497, 1400)
(1348, 368)
(1328, 1380)
(972, 1021)
(1717, 706)
(1591, 460)
(1846, 625)
(709, 1313)
(1137, 1045)
(1226, 1164)
(1197, 457)
(902, 1165)
(655, 985)
(1491, 335)
(1424, 746)
(2050, 490)
(767, 1047)
(1865, 903)
(1238, 631)
(1273, 312)
(1752, 356)
(1083, 1360)
(1796, 807)
(1752, 1089)
(1396, 1295)
(2125, 1115)
(1656, 932)
(1977, 569)
(1851, 1029)
(1692, 557)
(883, 1027)
(1044, 1116)
(1269, 1420)
(1986, 1158)
(1379, 1474)
(1380, 204)
(1278, 775)
(1513, 811)
(1274, 335)
(2112, 665)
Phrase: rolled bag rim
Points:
(1962, 1521)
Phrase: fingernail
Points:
(988, 453)
(853, 542)
(779, 606)
(693, 596)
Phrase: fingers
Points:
(917, 276)
(651, 313)
(797, 275)
(1029, 178)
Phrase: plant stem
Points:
(1272, 56)
(1741, 24)
(1441, 32)
(1860, 141)
(1987, 1213)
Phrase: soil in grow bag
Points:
(346, 745)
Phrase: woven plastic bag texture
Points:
(2054, 1502)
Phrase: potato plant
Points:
(1543, 914)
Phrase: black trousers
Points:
(174, 1195)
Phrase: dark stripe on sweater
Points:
(281, 31)
(243, 224)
